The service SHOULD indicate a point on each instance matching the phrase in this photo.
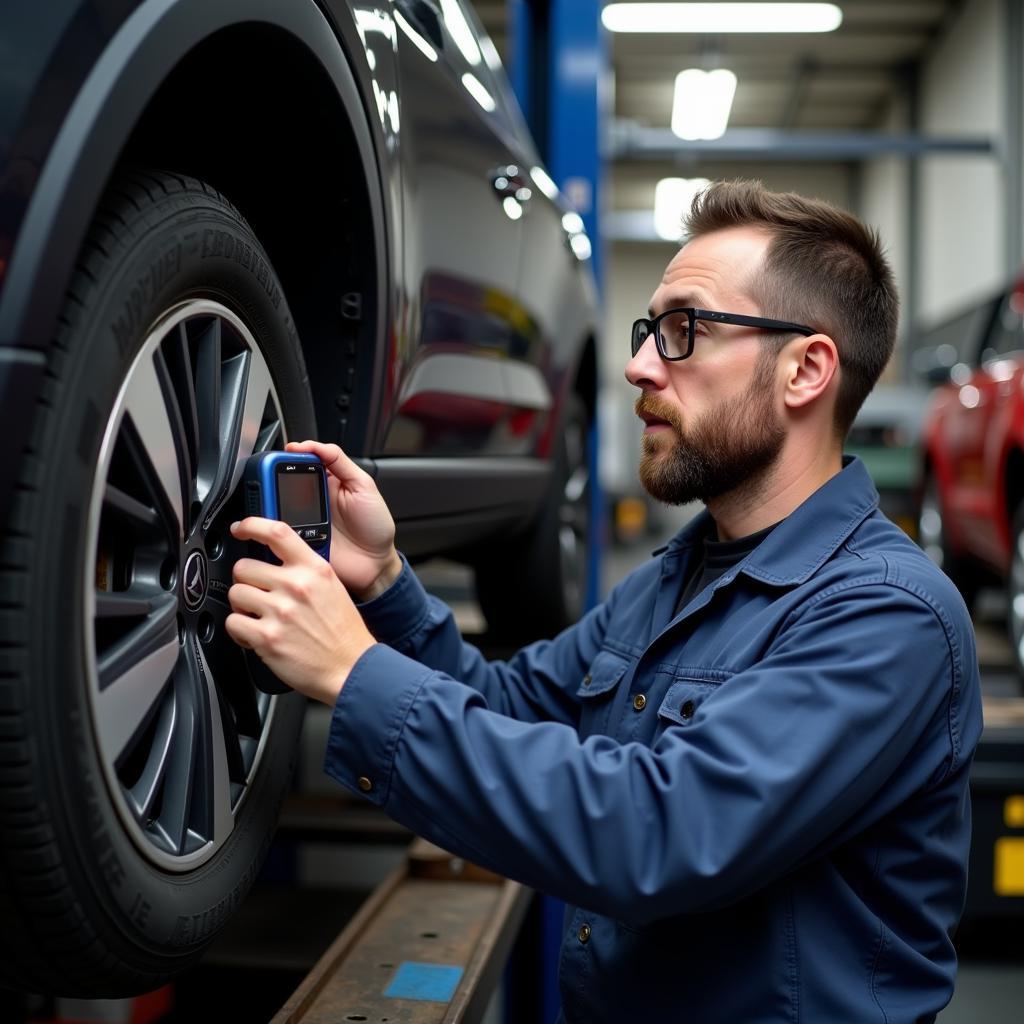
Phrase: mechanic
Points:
(746, 772)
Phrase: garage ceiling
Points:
(839, 80)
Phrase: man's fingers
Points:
(335, 461)
(278, 536)
(256, 573)
(249, 600)
(243, 630)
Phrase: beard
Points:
(729, 447)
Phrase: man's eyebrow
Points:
(678, 302)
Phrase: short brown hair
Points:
(823, 268)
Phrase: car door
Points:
(460, 321)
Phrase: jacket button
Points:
(587, 679)
(584, 933)
(687, 708)
(365, 784)
(639, 702)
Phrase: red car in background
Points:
(972, 485)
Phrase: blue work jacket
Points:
(757, 809)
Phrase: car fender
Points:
(138, 57)
(936, 462)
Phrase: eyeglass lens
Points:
(675, 335)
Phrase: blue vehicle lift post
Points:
(559, 70)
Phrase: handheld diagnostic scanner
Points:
(292, 487)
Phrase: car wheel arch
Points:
(101, 128)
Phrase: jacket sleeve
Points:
(768, 771)
(538, 683)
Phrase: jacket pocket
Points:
(683, 701)
(597, 689)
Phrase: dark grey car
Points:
(223, 226)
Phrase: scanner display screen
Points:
(299, 495)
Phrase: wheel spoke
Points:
(135, 514)
(270, 435)
(247, 434)
(245, 391)
(156, 632)
(180, 766)
(146, 407)
(125, 604)
(179, 428)
(125, 704)
(208, 406)
(217, 787)
(179, 363)
(145, 790)
(227, 663)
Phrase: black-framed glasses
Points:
(675, 329)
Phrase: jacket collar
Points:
(808, 536)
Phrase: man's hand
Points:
(296, 616)
(363, 551)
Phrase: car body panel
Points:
(488, 381)
(975, 424)
(112, 61)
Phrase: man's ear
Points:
(810, 366)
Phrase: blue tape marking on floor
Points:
(436, 982)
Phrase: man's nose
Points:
(646, 369)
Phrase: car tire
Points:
(535, 585)
(932, 537)
(141, 772)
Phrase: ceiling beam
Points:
(630, 141)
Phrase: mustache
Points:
(654, 406)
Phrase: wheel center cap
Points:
(195, 580)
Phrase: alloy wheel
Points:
(178, 722)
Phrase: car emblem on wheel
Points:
(195, 580)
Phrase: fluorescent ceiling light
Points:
(672, 197)
(703, 99)
(723, 17)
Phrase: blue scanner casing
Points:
(292, 487)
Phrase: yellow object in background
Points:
(1008, 875)
(630, 519)
(1013, 811)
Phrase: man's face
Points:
(711, 421)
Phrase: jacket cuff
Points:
(400, 610)
(368, 719)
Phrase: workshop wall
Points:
(961, 241)
(963, 210)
